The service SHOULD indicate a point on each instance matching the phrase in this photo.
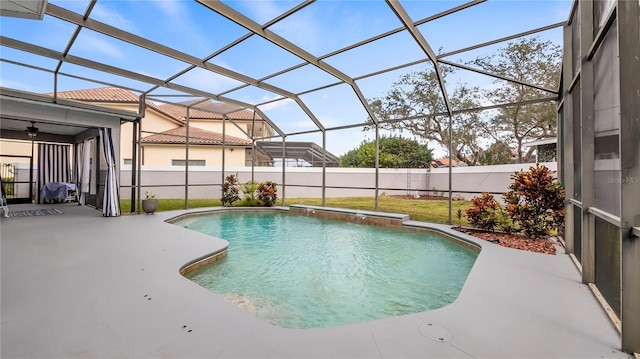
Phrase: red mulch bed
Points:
(517, 241)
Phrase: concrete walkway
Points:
(78, 285)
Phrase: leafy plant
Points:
(459, 214)
(267, 193)
(149, 195)
(249, 189)
(505, 223)
(482, 213)
(535, 201)
(230, 190)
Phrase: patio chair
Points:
(3, 201)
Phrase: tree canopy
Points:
(415, 104)
(531, 61)
(395, 152)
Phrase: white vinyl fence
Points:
(306, 182)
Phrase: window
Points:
(127, 161)
(191, 162)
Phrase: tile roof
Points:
(197, 136)
(207, 110)
(179, 112)
(105, 94)
(443, 162)
(214, 110)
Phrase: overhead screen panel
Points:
(67, 83)
(206, 80)
(288, 116)
(101, 48)
(419, 10)
(443, 37)
(79, 6)
(48, 32)
(185, 25)
(379, 85)
(302, 79)
(355, 62)
(244, 56)
(27, 58)
(336, 106)
(25, 79)
(252, 95)
(344, 22)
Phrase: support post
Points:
(224, 148)
(134, 165)
(629, 57)
(587, 147)
(284, 165)
(450, 168)
(186, 164)
(377, 165)
(565, 140)
(324, 166)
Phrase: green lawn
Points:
(420, 210)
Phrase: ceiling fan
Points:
(32, 131)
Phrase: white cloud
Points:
(113, 18)
(281, 104)
(264, 11)
(172, 8)
(92, 42)
(206, 80)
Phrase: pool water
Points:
(302, 272)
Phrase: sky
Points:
(319, 29)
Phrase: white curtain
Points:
(111, 200)
(83, 162)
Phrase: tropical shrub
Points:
(505, 223)
(482, 213)
(230, 190)
(249, 189)
(535, 201)
(267, 193)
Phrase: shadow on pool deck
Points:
(80, 285)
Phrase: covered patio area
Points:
(79, 285)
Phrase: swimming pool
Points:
(301, 272)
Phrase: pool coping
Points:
(513, 304)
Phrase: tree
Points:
(415, 104)
(395, 152)
(532, 61)
(497, 154)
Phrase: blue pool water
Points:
(302, 272)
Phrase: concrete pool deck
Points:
(78, 285)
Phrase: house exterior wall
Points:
(216, 126)
(162, 155)
(16, 148)
(152, 122)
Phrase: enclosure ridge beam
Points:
(285, 44)
(424, 45)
